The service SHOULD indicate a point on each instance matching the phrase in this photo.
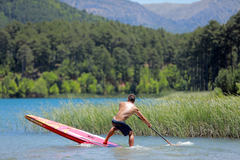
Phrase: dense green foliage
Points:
(208, 50)
(110, 57)
(102, 57)
(41, 10)
(183, 115)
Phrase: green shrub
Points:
(25, 87)
(109, 88)
(99, 89)
(153, 86)
(171, 73)
(54, 90)
(1, 89)
(86, 80)
(65, 88)
(6, 82)
(163, 83)
(4, 70)
(141, 87)
(127, 87)
(218, 91)
(50, 78)
(92, 88)
(75, 87)
(12, 88)
(238, 86)
(40, 88)
(9, 87)
(181, 85)
(225, 80)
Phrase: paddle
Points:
(157, 132)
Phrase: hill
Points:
(36, 11)
(124, 11)
(189, 16)
(177, 18)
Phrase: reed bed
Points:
(182, 115)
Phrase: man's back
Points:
(126, 109)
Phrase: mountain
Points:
(177, 18)
(40, 10)
(124, 11)
(189, 16)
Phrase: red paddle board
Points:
(71, 133)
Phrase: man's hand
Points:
(149, 126)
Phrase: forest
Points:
(39, 10)
(108, 57)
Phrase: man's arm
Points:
(143, 118)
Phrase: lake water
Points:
(18, 144)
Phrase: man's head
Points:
(131, 98)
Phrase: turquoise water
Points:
(18, 144)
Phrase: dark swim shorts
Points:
(122, 126)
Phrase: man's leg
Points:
(110, 133)
(131, 139)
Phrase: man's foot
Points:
(105, 142)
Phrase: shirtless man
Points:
(126, 109)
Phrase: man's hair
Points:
(131, 97)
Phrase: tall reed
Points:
(189, 115)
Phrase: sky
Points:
(162, 1)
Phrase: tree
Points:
(103, 62)
(65, 88)
(181, 85)
(26, 57)
(137, 60)
(163, 83)
(122, 63)
(42, 53)
(224, 81)
(50, 78)
(40, 88)
(92, 87)
(12, 88)
(109, 88)
(4, 45)
(153, 86)
(13, 28)
(54, 90)
(99, 89)
(1, 89)
(75, 87)
(25, 87)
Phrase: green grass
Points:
(183, 115)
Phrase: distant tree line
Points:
(38, 59)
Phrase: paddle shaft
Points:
(157, 132)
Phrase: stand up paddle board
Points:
(71, 133)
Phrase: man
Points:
(126, 109)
